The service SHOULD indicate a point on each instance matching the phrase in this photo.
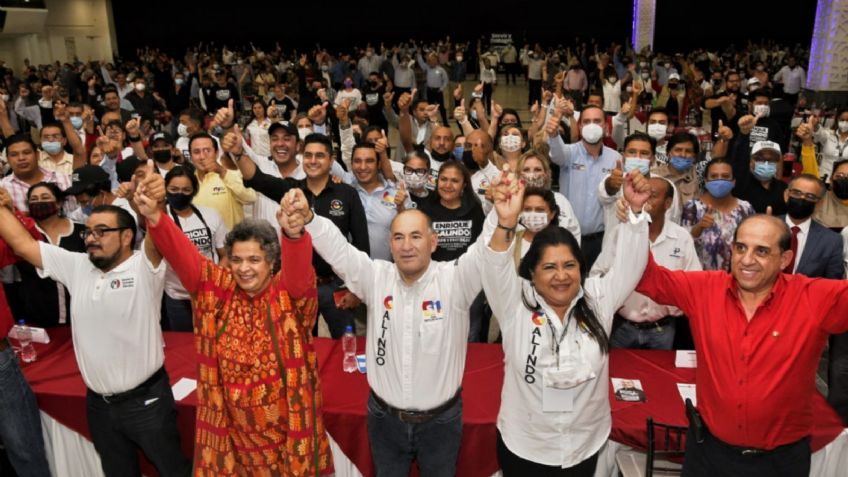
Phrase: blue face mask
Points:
(681, 164)
(52, 147)
(764, 170)
(719, 188)
(87, 210)
(637, 163)
(76, 122)
(457, 152)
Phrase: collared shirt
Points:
(338, 202)
(686, 184)
(437, 78)
(18, 189)
(754, 377)
(380, 210)
(481, 181)
(803, 233)
(417, 334)
(227, 196)
(559, 438)
(674, 249)
(259, 139)
(114, 317)
(832, 149)
(65, 165)
(579, 176)
(793, 79)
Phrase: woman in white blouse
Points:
(834, 143)
(555, 413)
(257, 129)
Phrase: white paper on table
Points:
(687, 391)
(183, 388)
(685, 359)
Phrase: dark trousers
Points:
(837, 375)
(178, 314)
(434, 444)
(513, 465)
(590, 245)
(337, 320)
(487, 96)
(625, 334)
(20, 423)
(713, 457)
(511, 69)
(147, 421)
(435, 96)
(534, 92)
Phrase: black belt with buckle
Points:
(136, 391)
(416, 417)
(5, 344)
(649, 325)
(753, 451)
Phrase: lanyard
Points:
(555, 342)
(840, 147)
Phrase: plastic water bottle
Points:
(349, 347)
(28, 353)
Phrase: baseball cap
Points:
(162, 136)
(284, 125)
(762, 145)
(674, 76)
(85, 177)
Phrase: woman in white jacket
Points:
(555, 414)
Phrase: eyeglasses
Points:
(797, 194)
(408, 170)
(99, 231)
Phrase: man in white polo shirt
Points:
(416, 339)
(115, 308)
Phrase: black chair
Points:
(664, 442)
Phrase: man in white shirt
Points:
(641, 322)
(415, 342)
(793, 78)
(118, 343)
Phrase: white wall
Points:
(87, 22)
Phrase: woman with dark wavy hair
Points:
(555, 413)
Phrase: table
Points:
(60, 391)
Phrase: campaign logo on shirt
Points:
(336, 208)
(119, 283)
(388, 199)
(538, 318)
(676, 253)
(387, 302)
(219, 190)
(578, 167)
(432, 310)
(222, 94)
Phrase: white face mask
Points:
(533, 221)
(843, 126)
(510, 143)
(637, 163)
(140, 86)
(415, 181)
(4, 97)
(45, 103)
(182, 130)
(762, 109)
(535, 180)
(657, 131)
(592, 133)
(303, 132)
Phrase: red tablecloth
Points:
(56, 381)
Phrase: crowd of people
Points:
(240, 194)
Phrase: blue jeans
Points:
(147, 421)
(20, 423)
(433, 444)
(178, 314)
(337, 320)
(625, 335)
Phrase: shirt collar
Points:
(777, 289)
(667, 232)
(804, 226)
(122, 267)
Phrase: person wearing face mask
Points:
(190, 122)
(53, 156)
(583, 166)
(757, 175)
(404, 77)
(641, 322)
(611, 87)
(535, 169)
(511, 145)
(833, 142)
(833, 209)
(713, 218)
(416, 173)
(682, 151)
(92, 188)
(758, 125)
(349, 92)
(204, 227)
(142, 100)
(539, 211)
(413, 124)
(178, 96)
(43, 306)
(373, 97)
(437, 81)
(371, 61)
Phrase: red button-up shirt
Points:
(754, 378)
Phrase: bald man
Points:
(480, 148)
(759, 334)
(416, 337)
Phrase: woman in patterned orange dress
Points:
(259, 401)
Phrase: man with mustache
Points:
(115, 309)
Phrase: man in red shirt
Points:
(20, 423)
(758, 335)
